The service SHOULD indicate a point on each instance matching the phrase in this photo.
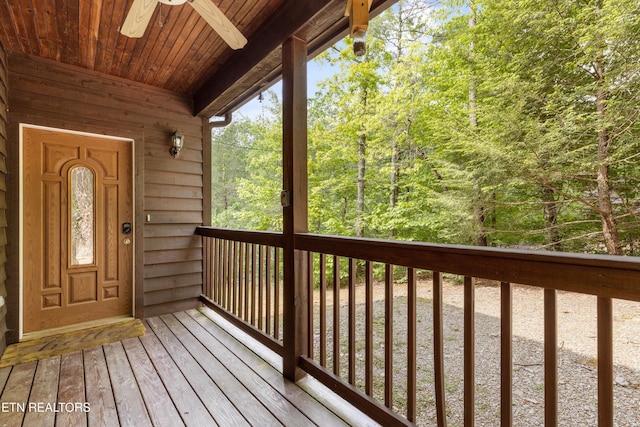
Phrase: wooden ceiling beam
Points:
(293, 15)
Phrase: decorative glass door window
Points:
(82, 216)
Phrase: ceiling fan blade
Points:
(138, 18)
(219, 22)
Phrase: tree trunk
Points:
(480, 209)
(395, 171)
(550, 206)
(362, 143)
(609, 225)
(604, 190)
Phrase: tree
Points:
(570, 72)
(340, 114)
(247, 172)
(457, 128)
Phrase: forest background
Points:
(495, 123)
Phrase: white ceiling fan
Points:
(141, 11)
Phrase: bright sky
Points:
(315, 73)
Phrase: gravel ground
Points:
(577, 355)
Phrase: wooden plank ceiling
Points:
(179, 50)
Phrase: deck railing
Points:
(342, 332)
(242, 277)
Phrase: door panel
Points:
(78, 266)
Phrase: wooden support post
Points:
(506, 355)
(550, 358)
(295, 216)
(469, 351)
(605, 362)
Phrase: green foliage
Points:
(247, 173)
(489, 122)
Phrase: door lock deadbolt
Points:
(126, 228)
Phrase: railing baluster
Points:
(310, 328)
(368, 325)
(219, 270)
(276, 298)
(236, 277)
(212, 267)
(336, 315)
(222, 271)
(605, 362)
(550, 359)
(267, 277)
(215, 272)
(227, 290)
(411, 344)
(469, 351)
(237, 287)
(247, 275)
(323, 310)
(253, 284)
(506, 355)
(388, 336)
(221, 245)
(206, 259)
(352, 320)
(438, 350)
(260, 286)
(232, 273)
(241, 296)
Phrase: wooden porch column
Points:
(294, 200)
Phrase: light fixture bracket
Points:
(173, 2)
(358, 13)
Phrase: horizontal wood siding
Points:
(3, 198)
(169, 192)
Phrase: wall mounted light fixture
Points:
(177, 142)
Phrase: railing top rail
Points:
(269, 238)
(603, 275)
(372, 247)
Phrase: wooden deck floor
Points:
(186, 370)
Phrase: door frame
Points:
(134, 291)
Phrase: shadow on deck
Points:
(186, 370)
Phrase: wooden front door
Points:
(77, 229)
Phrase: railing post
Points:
(294, 201)
(605, 362)
(550, 358)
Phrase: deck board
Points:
(4, 376)
(44, 391)
(16, 392)
(161, 408)
(282, 408)
(215, 401)
(233, 389)
(186, 370)
(131, 408)
(313, 409)
(192, 411)
(71, 390)
(98, 389)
